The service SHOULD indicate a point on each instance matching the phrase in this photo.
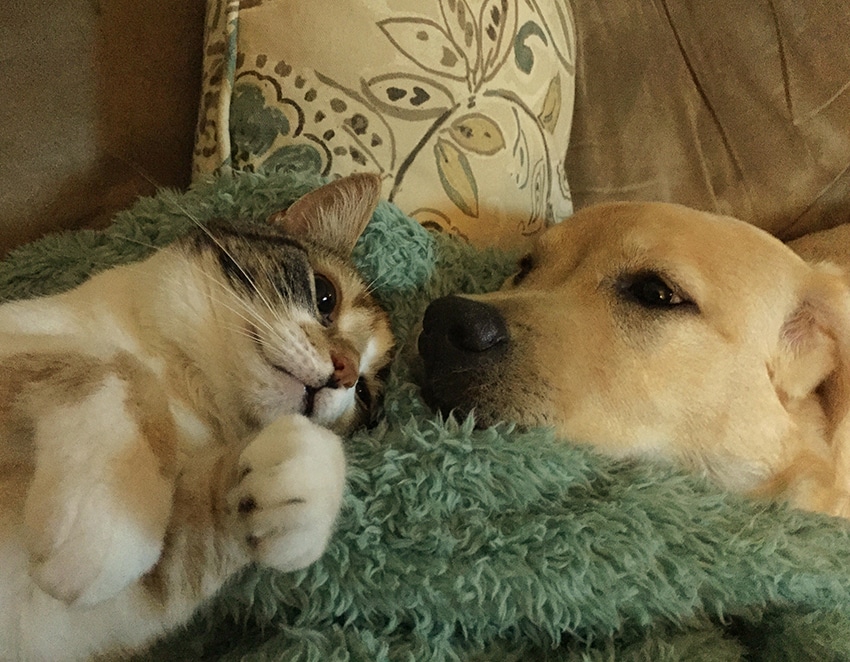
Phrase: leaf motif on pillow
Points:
(477, 133)
(455, 80)
(497, 23)
(408, 97)
(556, 19)
(551, 109)
(434, 219)
(531, 175)
(462, 30)
(523, 55)
(427, 44)
(457, 177)
(539, 197)
(254, 125)
(295, 158)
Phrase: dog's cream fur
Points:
(745, 377)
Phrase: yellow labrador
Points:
(656, 330)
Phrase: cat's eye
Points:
(363, 394)
(326, 297)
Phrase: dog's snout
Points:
(461, 344)
(461, 325)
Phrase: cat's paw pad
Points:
(288, 493)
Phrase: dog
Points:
(655, 330)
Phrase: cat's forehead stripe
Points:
(270, 264)
(219, 236)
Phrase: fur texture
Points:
(169, 422)
(656, 330)
(463, 544)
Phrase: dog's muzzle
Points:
(461, 342)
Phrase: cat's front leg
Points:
(99, 500)
(288, 493)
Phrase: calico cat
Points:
(169, 422)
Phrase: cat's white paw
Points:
(289, 492)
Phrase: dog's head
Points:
(655, 329)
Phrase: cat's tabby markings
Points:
(169, 422)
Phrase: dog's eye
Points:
(652, 291)
(326, 297)
(526, 264)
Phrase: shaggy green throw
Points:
(495, 544)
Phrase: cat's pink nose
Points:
(346, 369)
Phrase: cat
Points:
(169, 422)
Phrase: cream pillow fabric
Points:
(463, 106)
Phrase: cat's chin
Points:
(328, 407)
(332, 408)
(285, 395)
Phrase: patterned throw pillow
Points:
(463, 106)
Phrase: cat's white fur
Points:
(133, 478)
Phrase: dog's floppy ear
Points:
(813, 361)
(335, 214)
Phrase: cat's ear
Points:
(335, 214)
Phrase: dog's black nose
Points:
(462, 343)
(459, 329)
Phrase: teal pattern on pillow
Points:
(463, 107)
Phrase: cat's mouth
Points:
(309, 400)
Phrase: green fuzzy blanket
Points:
(495, 544)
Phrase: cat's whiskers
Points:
(244, 332)
(283, 297)
(273, 337)
(139, 242)
(174, 200)
(230, 301)
(269, 276)
(246, 313)
(376, 282)
(203, 227)
(251, 321)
